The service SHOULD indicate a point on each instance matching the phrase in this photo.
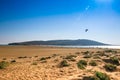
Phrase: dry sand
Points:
(23, 68)
(16, 51)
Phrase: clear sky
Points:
(26, 20)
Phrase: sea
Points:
(95, 46)
(78, 46)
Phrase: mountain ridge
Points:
(60, 42)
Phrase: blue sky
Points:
(26, 20)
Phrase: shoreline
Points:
(73, 46)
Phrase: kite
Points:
(86, 30)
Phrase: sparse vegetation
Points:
(102, 54)
(110, 67)
(110, 51)
(43, 58)
(91, 78)
(13, 61)
(70, 57)
(3, 64)
(63, 63)
(96, 57)
(86, 52)
(22, 57)
(97, 76)
(48, 57)
(82, 64)
(73, 60)
(101, 76)
(115, 60)
(87, 56)
(84, 67)
(34, 63)
(56, 60)
(99, 52)
(54, 55)
(92, 63)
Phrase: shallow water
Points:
(96, 46)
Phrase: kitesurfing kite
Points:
(86, 30)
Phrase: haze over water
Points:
(97, 46)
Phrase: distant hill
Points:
(82, 42)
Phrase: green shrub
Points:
(90, 78)
(110, 51)
(34, 63)
(22, 57)
(54, 55)
(48, 57)
(92, 63)
(99, 52)
(110, 67)
(101, 76)
(70, 57)
(64, 63)
(3, 64)
(82, 64)
(13, 61)
(86, 52)
(97, 76)
(97, 57)
(94, 78)
(43, 58)
(115, 60)
(87, 56)
(102, 54)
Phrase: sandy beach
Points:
(16, 51)
(43, 63)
